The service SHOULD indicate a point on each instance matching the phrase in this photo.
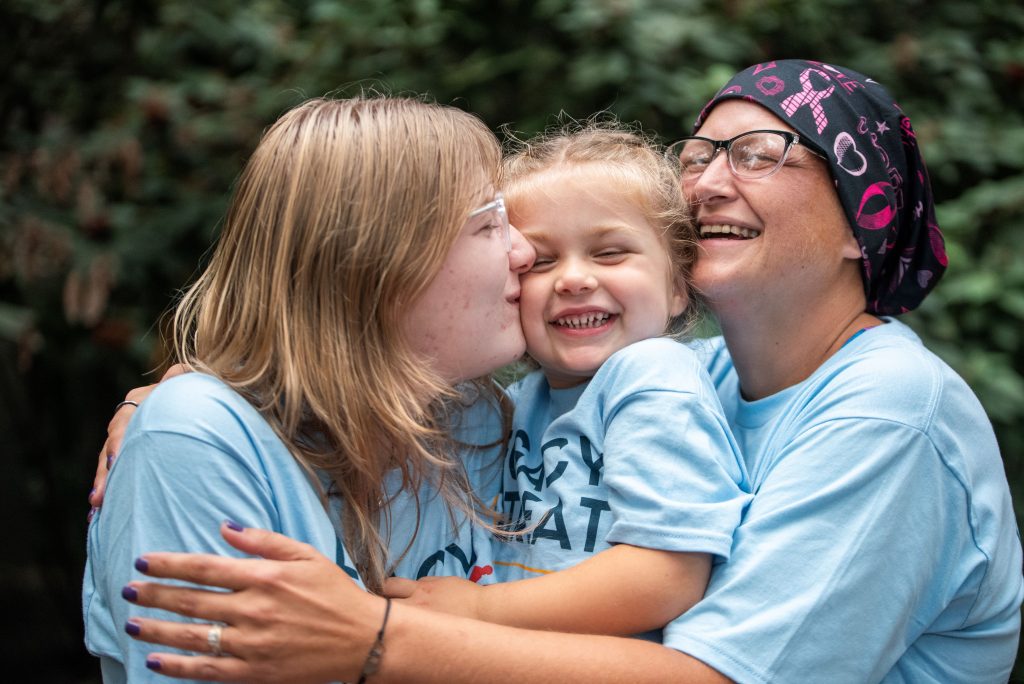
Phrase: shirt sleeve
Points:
(839, 556)
(675, 477)
(178, 477)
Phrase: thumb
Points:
(398, 587)
(264, 543)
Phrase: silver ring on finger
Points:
(213, 640)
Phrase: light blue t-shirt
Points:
(881, 543)
(641, 455)
(196, 453)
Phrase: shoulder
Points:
(527, 386)
(658, 361)
(477, 414)
(653, 368)
(201, 406)
(888, 373)
(659, 364)
(893, 397)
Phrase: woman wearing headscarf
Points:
(881, 543)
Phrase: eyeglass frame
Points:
(497, 204)
(790, 138)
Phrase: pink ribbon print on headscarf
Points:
(811, 97)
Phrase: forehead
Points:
(579, 196)
(732, 117)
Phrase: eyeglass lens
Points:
(500, 217)
(751, 155)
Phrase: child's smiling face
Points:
(602, 279)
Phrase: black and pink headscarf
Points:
(876, 164)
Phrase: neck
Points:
(773, 348)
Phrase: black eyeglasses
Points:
(754, 154)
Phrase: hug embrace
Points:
(338, 491)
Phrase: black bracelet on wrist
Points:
(372, 663)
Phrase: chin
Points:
(515, 352)
(711, 281)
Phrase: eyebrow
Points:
(599, 232)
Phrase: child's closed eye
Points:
(611, 255)
(542, 264)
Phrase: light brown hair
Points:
(341, 217)
(634, 164)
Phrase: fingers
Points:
(201, 668)
(398, 588)
(214, 606)
(269, 545)
(99, 481)
(230, 573)
(116, 428)
(200, 568)
(176, 369)
(187, 636)
(139, 394)
(115, 433)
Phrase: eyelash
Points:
(541, 263)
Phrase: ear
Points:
(680, 299)
(851, 248)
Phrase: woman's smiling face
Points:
(766, 237)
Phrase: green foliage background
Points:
(125, 122)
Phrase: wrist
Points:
(373, 657)
(486, 603)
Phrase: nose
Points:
(574, 277)
(522, 254)
(715, 184)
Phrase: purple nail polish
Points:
(92, 513)
(152, 663)
(92, 492)
(130, 594)
(141, 564)
(234, 526)
(133, 628)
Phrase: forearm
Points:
(300, 618)
(622, 590)
(462, 650)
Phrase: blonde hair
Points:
(634, 162)
(343, 214)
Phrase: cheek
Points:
(532, 301)
(533, 291)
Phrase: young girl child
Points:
(621, 470)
